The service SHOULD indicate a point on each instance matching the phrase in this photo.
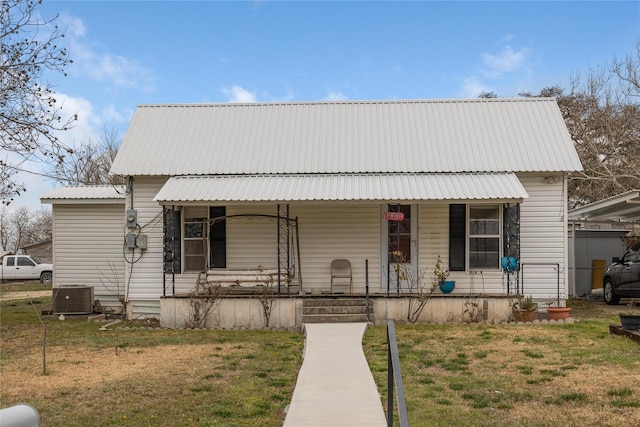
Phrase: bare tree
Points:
(628, 71)
(5, 228)
(40, 227)
(89, 163)
(30, 115)
(602, 115)
(23, 226)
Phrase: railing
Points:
(366, 289)
(394, 377)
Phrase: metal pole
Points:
(278, 244)
(366, 287)
(288, 251)
(398, 250)
(389, 382)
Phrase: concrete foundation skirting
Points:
(458, 309)
(233, 313)
(246, 312)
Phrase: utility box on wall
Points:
(132, 218)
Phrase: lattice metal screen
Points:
(171, 243)
(511, 224)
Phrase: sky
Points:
(128, 53)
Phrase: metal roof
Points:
(341, 187)
(86, 194)
(394, 136)
(623, 207)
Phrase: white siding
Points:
(87, 248)
(252, 241)
(543, 241)
(543, 237)
(434, 241)
(145, 283)
(327, 232)
(352, 231)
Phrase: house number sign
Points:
(394, 216)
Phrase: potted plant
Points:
(558, 312)
(630, 321)
(524, 309)
(440, 276)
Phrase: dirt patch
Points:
(8, 296)
(92, 367)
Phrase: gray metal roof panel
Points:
(473, 135)
(85, 193)
(341, 187)
(624, 207)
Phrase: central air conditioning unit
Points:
(73, 300)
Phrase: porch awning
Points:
(341, 187)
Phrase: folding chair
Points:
(341, 269)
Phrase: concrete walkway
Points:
(335, 386)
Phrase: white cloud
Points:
(239, 94)
(86, 125)
(73, 27)
(472, 87)
(335, 95)
(498, 72)
(118, 71)
(506, 61)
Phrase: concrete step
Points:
(334, 301)
(336, 318)
(335, 310)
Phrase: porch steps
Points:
(335, 310)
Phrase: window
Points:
(10, 261)
(24, 261)
(194, 238)
(474, 236)
(484, 236)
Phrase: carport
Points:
(597, 232)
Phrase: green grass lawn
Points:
(506, 375)
(454, 375)
(144, 377)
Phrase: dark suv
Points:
(622, 277)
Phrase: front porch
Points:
(234, 311)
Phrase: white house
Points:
(291, 186)
(87, 249)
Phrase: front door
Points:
(400, 257)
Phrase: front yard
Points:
(454, 375)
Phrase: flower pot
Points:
(447, 286)
(522, 315)
(558, 313)
(630, 322)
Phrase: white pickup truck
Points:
(25, 267)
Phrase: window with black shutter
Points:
(217, 237)
(457, 236)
